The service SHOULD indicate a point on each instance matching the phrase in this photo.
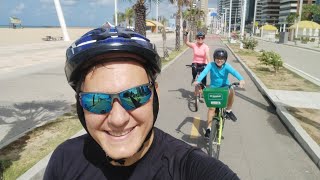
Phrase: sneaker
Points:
(207, 134)
(231, 116)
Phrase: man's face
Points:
(119, 132)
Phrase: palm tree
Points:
(128, 15)
(140, 9)
(164, 38)
(180, 3)
(194, 17)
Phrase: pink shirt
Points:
(199, 53)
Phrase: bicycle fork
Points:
(220, 130)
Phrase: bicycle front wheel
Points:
(214, 147)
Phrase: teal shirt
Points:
(219, 77)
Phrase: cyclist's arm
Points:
(234, 73)
(208, 55)
(204, 72)
(237, 75)
(185, 40)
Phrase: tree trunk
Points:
(140, 18)
(164, 38)
(178, 28)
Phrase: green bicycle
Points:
(217, 98)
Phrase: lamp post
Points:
(61, 20)
(230, 12)
(115, 13)
(244, 7)
(254, 16)
(225, 20)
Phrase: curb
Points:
(37, 171)
(303, 138)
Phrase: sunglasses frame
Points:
(116, 96)
(200, 37)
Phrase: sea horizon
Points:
(47, 26)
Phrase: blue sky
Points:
(76, 12)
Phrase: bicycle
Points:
(217, 98)
(197, 88)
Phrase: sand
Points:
(35, 35)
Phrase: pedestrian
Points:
(108, 68)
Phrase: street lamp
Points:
(254, 16)
(115, 13)
(244, 7)
(230, 12)
(61, 20)
(225, 20)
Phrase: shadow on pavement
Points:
(17, 118)
(198, 141)
(189, 96)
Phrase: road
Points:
(258, 146)
(302, 59)
(33, 85)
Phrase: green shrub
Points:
(250, 43)
(312, 39)
(271, 58)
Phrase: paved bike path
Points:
(258, 146)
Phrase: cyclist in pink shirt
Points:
(200, 55)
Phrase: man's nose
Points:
(118, 116)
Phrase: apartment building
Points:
(270, 11)
(290, 6)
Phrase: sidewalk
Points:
(310, 45)
(281, 99)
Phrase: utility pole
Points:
(225, 20)
(115, 13)
(254, 16)
(61, 20)
(157, 10)
(299, 18)
(243, 21)
(235, 20)
(230, 12)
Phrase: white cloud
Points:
(62, 2)
(101, 2)
(18, 9)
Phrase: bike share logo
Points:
(215, 98)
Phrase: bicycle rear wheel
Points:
(196, 98)
(214, 147)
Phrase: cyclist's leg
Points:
(211, 113)
(230, 99)
(194, 71)
(229, 112)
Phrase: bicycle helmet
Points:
(85, 53)
(200, 34)
(220, 54)
(105, 40)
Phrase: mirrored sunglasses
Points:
(130, 99)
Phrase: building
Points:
(290, 6)
(270, 11)
(236, 13)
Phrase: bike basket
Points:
(216, 97)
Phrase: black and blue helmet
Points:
(200, 34)
(102, 41)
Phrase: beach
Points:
(20, 36)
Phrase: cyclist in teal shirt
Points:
(219, 72)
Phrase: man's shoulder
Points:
(72, 145)
(171, 145)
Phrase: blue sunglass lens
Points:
(97, 103)
(100, 103)
(135, 97)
